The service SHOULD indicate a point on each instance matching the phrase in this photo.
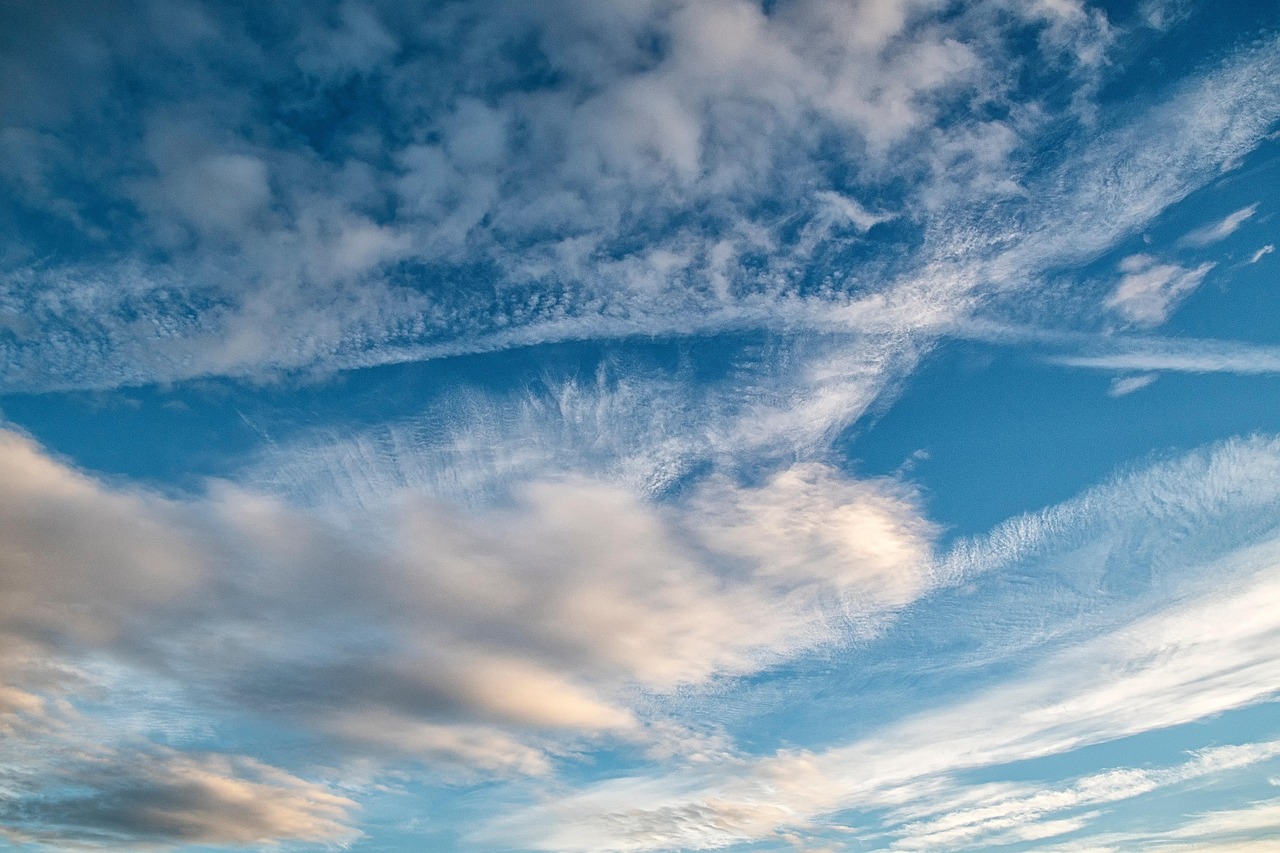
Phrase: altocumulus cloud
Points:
(611, 169)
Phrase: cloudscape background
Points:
(782, 425)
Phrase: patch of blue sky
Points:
(1003, 432)
(977, 407)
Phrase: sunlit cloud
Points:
(660, 425)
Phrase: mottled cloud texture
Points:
(491, 442)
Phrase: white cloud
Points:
(1182, 356)
(1206, 495)
(1029, 809)
(1248, 829)
(1191, 649)
(1164, 14)
(1178, 666)
(551, 188)
(1124, 385)
(1262, 253)
(807, 524)
(1210, 234)
(642, 425)
(1150, 290)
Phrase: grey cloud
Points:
(157, 798)
(113, 552)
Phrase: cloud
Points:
(1210, 234)
(1164, 14)
(978, 817)
(483, 642)
(1186, 649)
(1124, 385)
(1245, 829)
(1225, 486)
(643, 420)
(1262, 253)
(79, 560)
(807, 524)
(610, 150)
(1178, 666)
(1150, 290)
(585, 176)
(159, 798)
(1182, 356)
(467, 749)
(500, 581)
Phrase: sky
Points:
(662, 425)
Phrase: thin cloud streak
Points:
(1182, 356)
(1218, 231)
(1004, 810)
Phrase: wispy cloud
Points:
(1181, 355)
(686, 151)
(1226, 486)
(1247, 829)
(1005, 809)
(1122, 386)
(1210, 234)
(1185, 658)
(1178, 666)
(586, 580)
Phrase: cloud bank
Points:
(417, 633)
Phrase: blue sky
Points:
(810, 425)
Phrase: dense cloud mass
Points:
(652, 425)
(419, 632)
